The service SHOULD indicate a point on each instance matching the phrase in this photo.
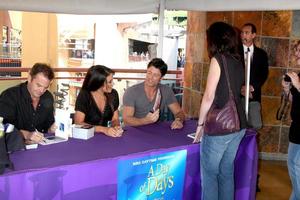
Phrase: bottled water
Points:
(109, 124)
(121, 121)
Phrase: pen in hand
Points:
(40, 136)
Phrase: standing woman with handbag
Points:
(291, 88)
(222, 120)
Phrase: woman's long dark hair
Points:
(96, 77)
(222, 38)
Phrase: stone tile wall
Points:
(278, 34)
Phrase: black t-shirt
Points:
(86, 104)
(236, 74)
(294, 135)
(16, 108)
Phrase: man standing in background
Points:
(259, 69)
(258, 73)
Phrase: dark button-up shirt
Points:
(16, 108)
(86, 104)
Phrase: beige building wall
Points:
(39, 34)
(39, 39)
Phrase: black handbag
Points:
(4, 159)
(220, 121)
(9, 143)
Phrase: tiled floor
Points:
(274, 181)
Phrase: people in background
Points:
(180, 59)
(258, 73)
(291, 88)
(144, 102)
(218, 152)
(97, 102)
(296, 54)
(29, 106)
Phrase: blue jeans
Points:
(217, 165)
(294, 169)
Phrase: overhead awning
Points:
(144, 6)
(233, 5)
(82, 6)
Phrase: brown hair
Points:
(43, 68)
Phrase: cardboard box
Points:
(83, 132)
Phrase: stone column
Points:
(195, 58)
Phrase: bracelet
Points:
(178, 119)
(201, 124)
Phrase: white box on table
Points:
(83, 131)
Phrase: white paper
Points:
(193, 136)
(31, 146)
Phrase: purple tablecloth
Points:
(80, 169)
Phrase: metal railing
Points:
(82, 70)
(68, 86)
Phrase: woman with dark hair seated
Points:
(97, 102)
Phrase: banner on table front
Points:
(154, 177)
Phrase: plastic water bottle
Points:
(121, 121)
(109, 124)
(1, 127)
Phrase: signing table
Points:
(87, 169)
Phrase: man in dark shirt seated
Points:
(29, 106)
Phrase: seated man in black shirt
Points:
(29, 106)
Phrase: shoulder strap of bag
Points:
(284, 106)
(227, 75)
